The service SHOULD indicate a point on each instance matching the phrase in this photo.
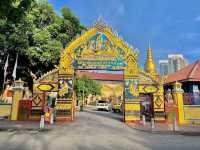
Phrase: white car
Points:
(103, 105)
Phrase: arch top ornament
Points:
(99, 48)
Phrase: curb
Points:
(184, 133)
(13, 129)
(27, 128)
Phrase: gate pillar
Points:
(178, 98)
(158, 105)
(132, 102)
(64, 104)
(17, 96)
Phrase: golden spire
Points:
(149, 64)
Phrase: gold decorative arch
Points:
(129, 55)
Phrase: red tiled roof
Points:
(101, 76)
(188, 73)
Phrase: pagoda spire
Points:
(149, 64)
(149, 44)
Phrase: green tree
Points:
(85, 86)
(13, 40)
(14, 10)
(37, 35)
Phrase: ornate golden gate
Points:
(99, 48)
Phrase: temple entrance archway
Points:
(100, 48)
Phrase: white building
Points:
(176, 62)
(163, 64)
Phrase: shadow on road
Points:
(109, 115)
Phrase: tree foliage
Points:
(85, 86)
(37, 34)
(14, 10)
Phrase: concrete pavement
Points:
(95, 130)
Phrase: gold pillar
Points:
(17, 96)
(159, 111)
(158, 103)
(132, 102)
(132, 112)
(178, 98)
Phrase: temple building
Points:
(189, 76)
(188, 98)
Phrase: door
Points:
(146, 105)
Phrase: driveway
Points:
(95, 130)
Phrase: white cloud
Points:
(166, 51)
(121, 10)
(190, 35)
(195, 51)
(112, 7)
(119, 7)
(197, 19)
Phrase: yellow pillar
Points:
(132, 101)
(17, 96)
(158, 103)
(132, 112)
(178, 97)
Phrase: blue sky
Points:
(172, 26)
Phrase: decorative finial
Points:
(149, 44)
(99, 23)
(100, 18)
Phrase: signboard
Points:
(46, 87)
(99, 64)
(99, 53)
(63, 108)
(150, 89)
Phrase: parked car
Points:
(116, 107)
(103, 105)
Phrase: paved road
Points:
(95, 130)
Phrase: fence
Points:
(191, 107)
(191, 98)
(5, 110)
